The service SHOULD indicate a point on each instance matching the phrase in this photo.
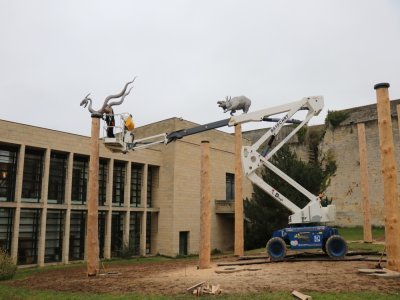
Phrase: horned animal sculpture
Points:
(234, 104)
(107, 106)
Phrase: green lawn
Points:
(14, 294)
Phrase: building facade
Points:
(149, 199)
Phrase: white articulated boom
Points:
(253, 159)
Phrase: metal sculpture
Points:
(236, 103)
(107, 106)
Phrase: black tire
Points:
(276, 249)
(336, 247)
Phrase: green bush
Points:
(335, 118)
(7, 267)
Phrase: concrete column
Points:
(364, 182)
(389, 172)
(67, 197)
(127, 196)
(18, 193)
(43, 216)
(239, 237)
(143, 219)
(205, 208)
(93, 203)
(107, 237)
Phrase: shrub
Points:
(7, 266)
(335, 118)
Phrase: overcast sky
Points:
(190, 54)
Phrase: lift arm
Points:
(257, 156)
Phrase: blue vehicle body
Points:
(306, 237)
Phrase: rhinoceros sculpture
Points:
(234, 104)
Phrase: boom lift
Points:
(305, 230)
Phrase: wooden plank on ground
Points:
(195, 286)
(301, 296)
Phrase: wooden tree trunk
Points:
(205, 214)
(92, 203)
(389, 172)
(239, 244)
(364, 182)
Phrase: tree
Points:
(264, 212)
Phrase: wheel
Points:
(336, 247)
(276, 249)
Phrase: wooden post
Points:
(239, 244)
(92, 203)
(364, 182)
(205, 215)
(389, 172)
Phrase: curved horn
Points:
(119, 94)
(122, 99)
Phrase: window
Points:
(183, 242)
(134, 232)
(57, 174)
(29, 228)
(136, 185)
(6, 227)
(54, 235)
(8, 171)
(117, 231)
(118, 183)
(148, 233)
(77, 235)
(33, 170)
(102, 232)
(230, 187)
(79, 180)
(103, 170)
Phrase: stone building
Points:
(149, 199)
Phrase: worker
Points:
(324, 200)
(109, 118)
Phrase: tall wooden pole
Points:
(389, 172)
(205, 214)
(239, 243)
(92, 203)
(362, 145)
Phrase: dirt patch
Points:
(174, 277)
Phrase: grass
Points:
(14, 294)
(354, 237)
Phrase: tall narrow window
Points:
(102, 232)
(136, 185)
(29, 228)
(117, 231)
(6, 228)
(57, 174)
(79, 180)
(183, 242)
(134, 233)
(8, 171)
(230, 187)
(33, 170)
(77, 235)
(103, 170)
(118, 183)
(54, 235)
(148, 233)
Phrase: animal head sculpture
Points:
(107, 105)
